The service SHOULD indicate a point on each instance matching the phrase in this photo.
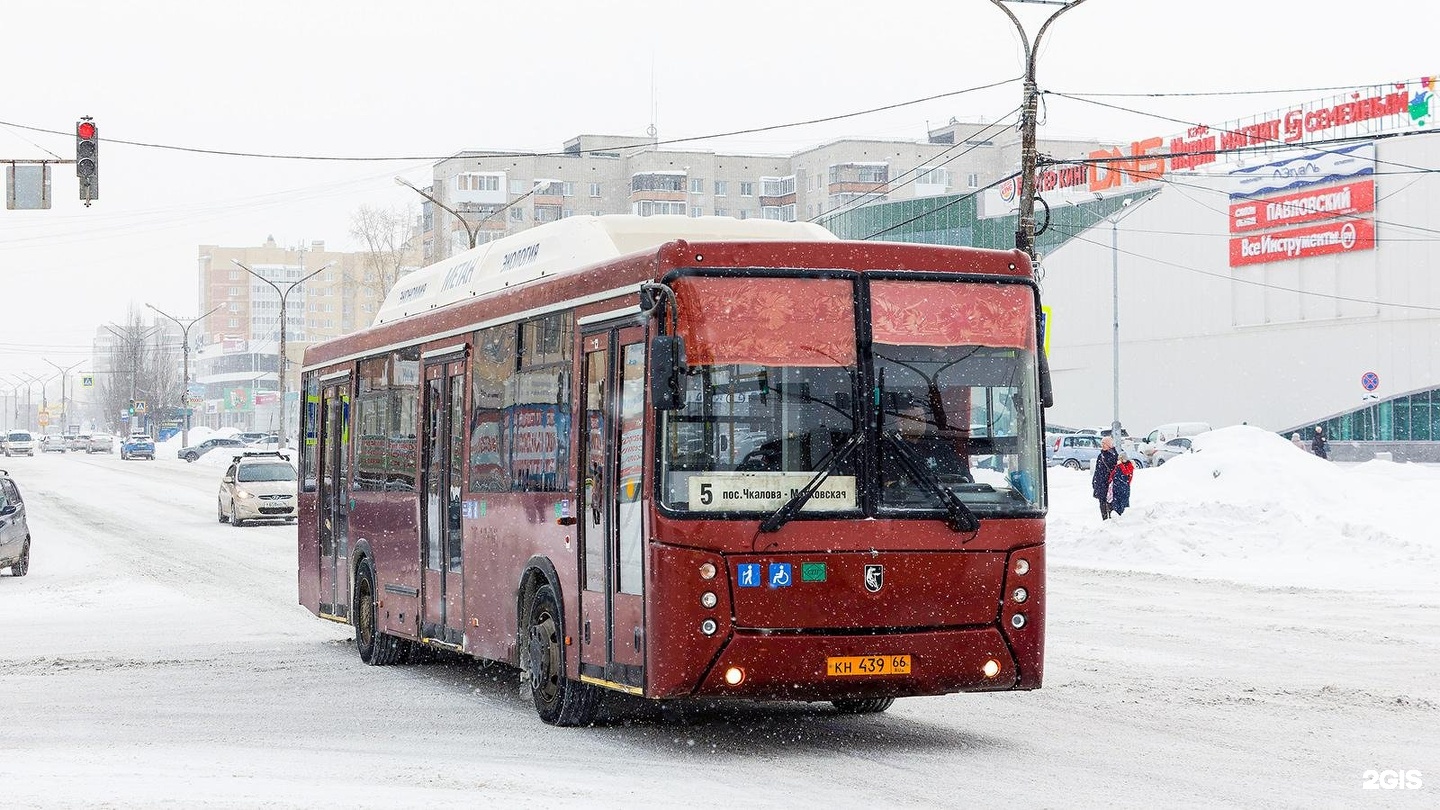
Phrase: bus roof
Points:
(566, 246)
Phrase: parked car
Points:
(19, 443)
(14, 530)
(76, 441)
(1171, 449)
(1076, 451)
(257, 486)
(1172, 430)
(260, 439)
(100, 443)
(194, 452)
(53, 443)
(138, 445)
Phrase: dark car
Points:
(195, 451)
(14, 531)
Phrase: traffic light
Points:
(87, 159)
(131, 409)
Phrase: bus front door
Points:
(441, 471)
(612, 624)
(333, 500)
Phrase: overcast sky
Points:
(419, 80)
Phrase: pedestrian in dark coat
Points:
(1100, 478)
(1318, 445)
(1118, 491)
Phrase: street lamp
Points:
(469, 229)
(64, 397)
(1025, 231)
(284, 360)
(185, 350)
(30, 418)
(1127, 207)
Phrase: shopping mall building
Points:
(1279, 271)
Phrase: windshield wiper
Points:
(797, 501)
(961, 519)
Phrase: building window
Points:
(567, 189)
(747, 189)
(648, 208)
(697, 185)
(928, 176)
(775, 186)
(595, 190)
(744, 214)
(234, 290)
(478, 182)
(234, 323)
(234, 307)
(234, 275)
(519, 186)
(697, 211)
(546, 213)
(972, 180)
(787, 212)
(722, 188)
(567, 213)
(517, 214)
(722, 212)
(657, 182)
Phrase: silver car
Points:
(1076, 451)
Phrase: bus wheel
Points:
(376, 648)
(862, 706)
(558, 700)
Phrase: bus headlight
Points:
(707, 570)
(991, 668)
(708, 600)
(1020, 595)
(1022, 566)
(734, 676)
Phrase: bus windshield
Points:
(769, 394)
(956, 381)
(951, 404)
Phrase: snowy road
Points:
(156, 657)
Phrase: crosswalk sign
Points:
(87, 380)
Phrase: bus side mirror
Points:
(1047, 388)
(667, 364)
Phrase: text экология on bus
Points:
(679, 457)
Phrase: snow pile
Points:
(1249, 506)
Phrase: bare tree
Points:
(389, 237)
(143, 366)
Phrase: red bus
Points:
(680, 457)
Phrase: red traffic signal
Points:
(87, 159)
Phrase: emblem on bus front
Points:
(874, 578)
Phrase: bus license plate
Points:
(868, 665)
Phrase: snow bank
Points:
(1248, 506)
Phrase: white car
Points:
(19, 443)
(257, 486)
(1171, 449)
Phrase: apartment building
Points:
(498, 193)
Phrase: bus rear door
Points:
(334, 498)
(612, 622)
(441, 472)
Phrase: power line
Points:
(667, 142)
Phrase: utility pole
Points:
(1029, 118)
(284, 360)
(185, 351)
